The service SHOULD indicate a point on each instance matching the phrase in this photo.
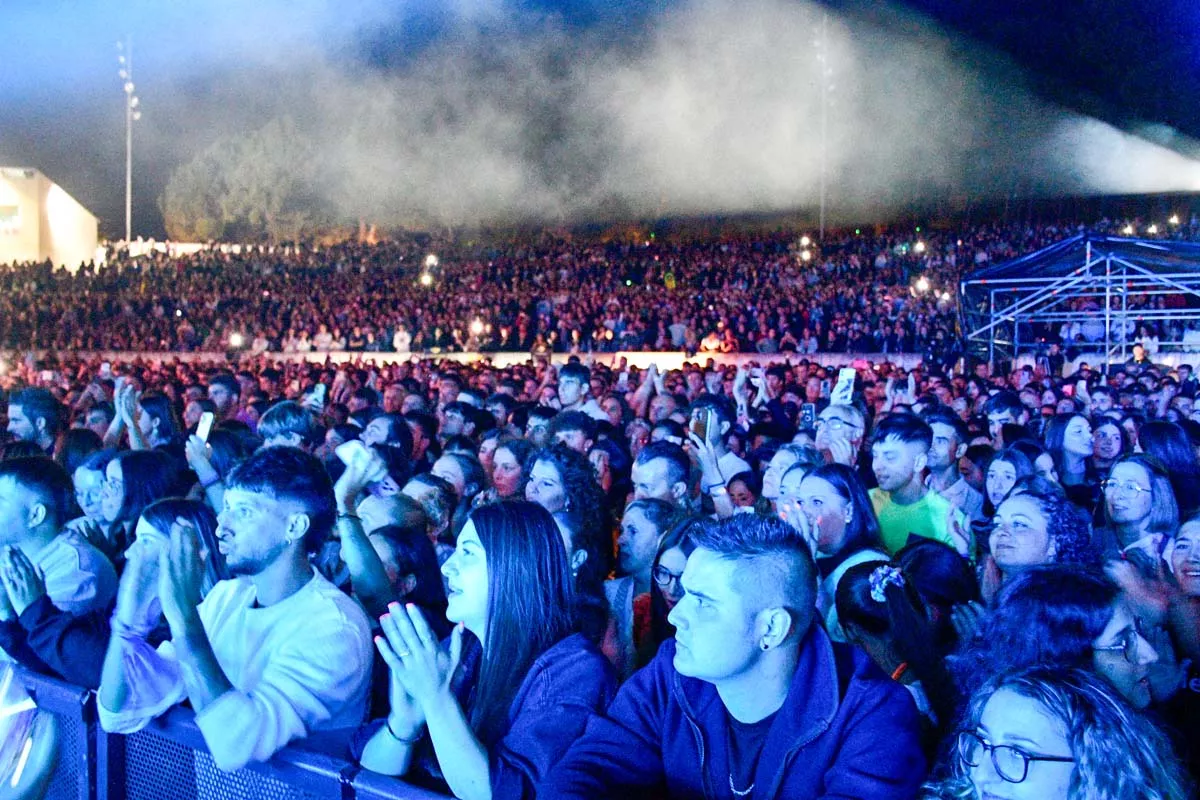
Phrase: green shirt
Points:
(926, 517)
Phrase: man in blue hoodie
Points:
(751, 699)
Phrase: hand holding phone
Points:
(204, 426)
(843, 391)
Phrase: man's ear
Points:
(578, 558)
(920, 461)
(960, 452)
(774, 627)
(298, 525)
(679, 490)
(37, 515)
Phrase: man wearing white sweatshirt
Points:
(267, 657)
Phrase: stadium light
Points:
(426, 279)
(806, 255)
(1174, 219)
(805, 241)
(132, 114)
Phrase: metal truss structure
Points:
(1008, 309)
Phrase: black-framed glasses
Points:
(1126, 487)
(664, 577)
(1128, 646)
(1011, 763)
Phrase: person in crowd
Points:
(72, 645)
(642, 528)
(1037, 525)
(833, 513)
(841, 431)
(1139, 506)
(1042, 461)
(465, 474)
(133, 480)
(948, 447)
(266, 657)
(88, 479)
(1167, 442)
(781, 461)
(289, 424)
(667, 587)
(903, 503)
(973, 465)
(1003, 471)
(751, 693)
(562, 481)
(35, 415)
(35, 501)
(1055, 734)
(945, 581)
(488, 443)
(1070, 443)
(225, 394)
(509, 471)
(77, 445)
(1064, 616)
(575, 429)
(662, 471)
(745, 491)
(437, 499)
(1004, 408)
(880, 610)
(1111, 442)
(489, 713)
(574, 390)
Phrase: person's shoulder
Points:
(327, 600)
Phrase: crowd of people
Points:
(855, 292)
(592, 581)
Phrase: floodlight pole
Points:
(823, 60)
(125, 59)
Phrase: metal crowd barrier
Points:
(168, 760)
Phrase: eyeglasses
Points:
(1128, 646)
(835, 423)
(1011, 763)
(664, 577)
(113, 485)
(1124, 487)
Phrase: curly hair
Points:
(1119, 754)
(1067, 523)
(1045, 615)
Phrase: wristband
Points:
(387, 723)
(211, 482)
(348, 515)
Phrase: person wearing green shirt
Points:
(905, 506)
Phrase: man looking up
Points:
(750, 698)
(268, 656)
(903, 504)
(35, 415)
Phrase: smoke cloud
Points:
(708, 107)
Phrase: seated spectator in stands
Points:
(662, 471)
(35, 499)
(298, 649)
(1057, 734)
(903, 504)
(72, 645)
(35, 415)
(492, 711)
(1061, 616)
(749, 674)
(642, 528)
(290, 424)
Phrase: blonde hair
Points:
(1119, 754)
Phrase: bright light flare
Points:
(431, 260)
(806, 255)
(922, 284)
(426, 279)
(805, 241)
(919, 247)
(476, 327)
(1153, 229)
(1127, 230)
(236, 340)
(1174, 219)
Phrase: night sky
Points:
(1134, 64)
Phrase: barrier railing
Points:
(168, 760)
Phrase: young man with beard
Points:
(268, 656)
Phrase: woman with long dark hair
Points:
(1070, 442)
(133, 480)
(490, 712)
(667, 590)
(1169, 443)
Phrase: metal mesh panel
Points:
(157, 768)
(69, 780)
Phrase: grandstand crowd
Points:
(767, 581)
(752, 294)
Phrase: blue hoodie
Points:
(844, 731)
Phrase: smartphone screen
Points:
(699, 422)
(204, 426)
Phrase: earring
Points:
(764, 646)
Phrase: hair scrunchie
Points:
(883, 577)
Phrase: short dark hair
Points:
(749, 537)
(288, 473)
(288, 417)
(719, 405)
(569, 421)
(578, 372)
(227, 382)
(678, 466)
(1005, 401)
(38, 404)
(907, 428)
(47, 480)
(945, 416)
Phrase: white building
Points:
(39, 221)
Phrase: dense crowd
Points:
(590, 582)
(860, 292)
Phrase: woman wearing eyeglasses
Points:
(665, 589)
(1063, 616)
(1139, 506)
(1042, 733)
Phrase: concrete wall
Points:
(39, 221)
